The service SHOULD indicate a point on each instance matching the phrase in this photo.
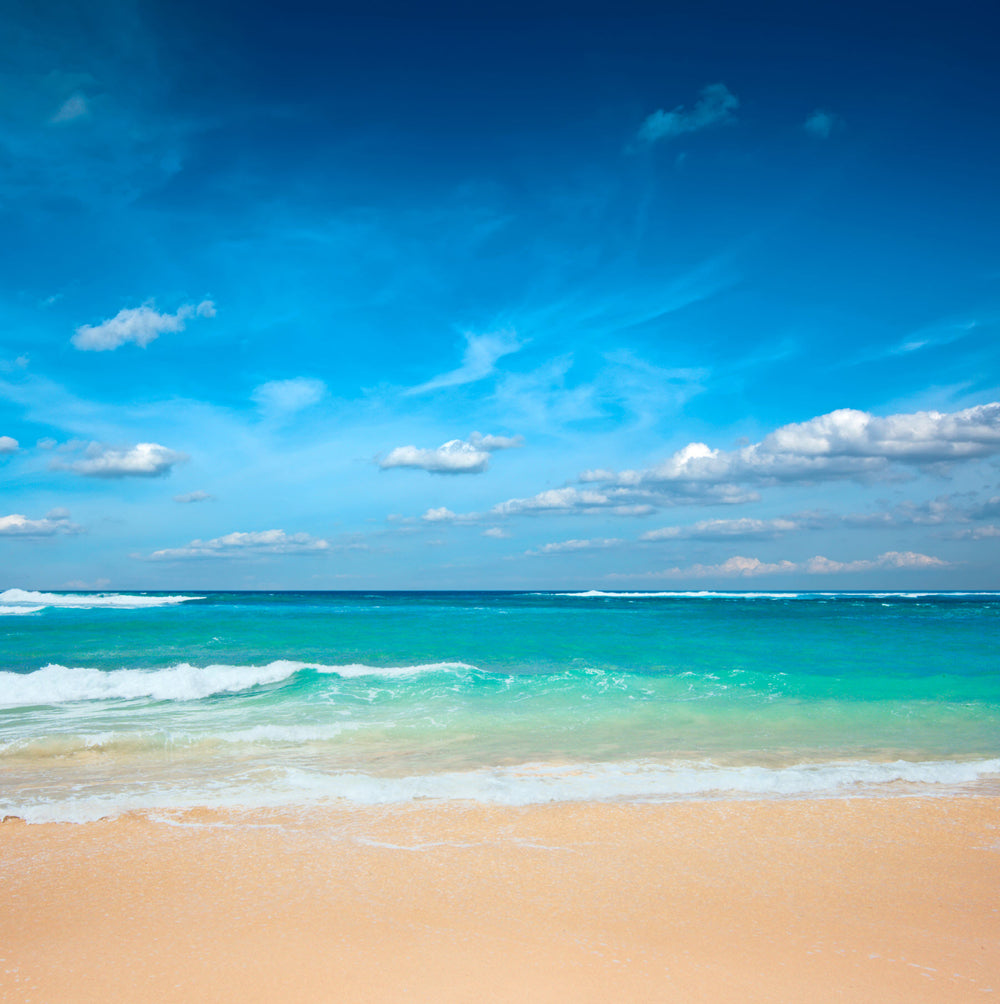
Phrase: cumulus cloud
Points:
(821, 124)
(457, 456)
(478, 361)
(287, 396)
(197, 496)
(742, 567)
(8, 445)
(141, 325)
(55, 522)
(724, 529)
(144, 460)
(716, 105)
(439, 515)
(498, 533)
(842, 444)
(891, 559)
(251, 544)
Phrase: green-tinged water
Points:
(247, 698)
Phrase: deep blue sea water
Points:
(114, 702)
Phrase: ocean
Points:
(112, 702)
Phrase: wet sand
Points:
(874, 900)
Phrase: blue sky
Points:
(611, 296)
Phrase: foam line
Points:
(526, 784)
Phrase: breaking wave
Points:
(55, 684)
(29, 601)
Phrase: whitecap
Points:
(56, 684)
(83, 601)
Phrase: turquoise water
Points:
(118, 702)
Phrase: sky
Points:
(616, 296)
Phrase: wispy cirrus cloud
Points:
(144, 460)
(457, 456)
(254, 543)
(140, 325)
(288, 396)
(195, 496)
(716, 105)
(565, 546)
(620, 501)
(478, 361)
(725, 529)
(74, 107)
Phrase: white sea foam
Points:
(639, 780)
(526, 784)
(8, 611)
(681, 593)
(21, 598)
(68, 743)
(55, 684)
(812, 594)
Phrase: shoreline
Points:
(894, 899)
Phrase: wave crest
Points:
(55, 684)
(16, 600)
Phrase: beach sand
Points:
(874, 900)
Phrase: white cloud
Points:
(457, 456)
(737, 566)
(496, 532)
(715, 106)
(137, 324)
(977, 532)
(56, 521)
(144, 460)
(251, 544)
(196, 496)
(725, 529)
(821, 124)
(621, 501)
(439, 515)
(478, 361)
(842, 444)
(742, 567)
(565, 500)
(73, 107)
(891, 559)
(562, 546)
(288, 396)
(8, 445)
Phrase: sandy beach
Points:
(836, 900)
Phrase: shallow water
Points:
(112, 702)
